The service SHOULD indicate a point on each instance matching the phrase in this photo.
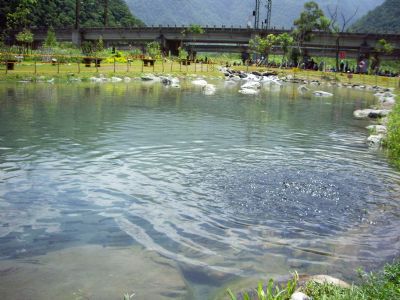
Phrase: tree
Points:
(194, 28)
(51, 40)
(263, 46)
(25, 37)
(381, 47)
(99, 44)
(20, 17)
(285, 41)
(312, 18)
(336, 29)
(183, 54)
(153, 49)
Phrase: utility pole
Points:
(269, 10)
(256, 14)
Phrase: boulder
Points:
(209, 89)
(328, 279)
(251, 85)
(322, 94)
(199, 82)
(248, 91)
(256, 73)
(375, 140)
(377, 129)
(371, 113)
(299, 296)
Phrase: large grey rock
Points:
(377, 129)
(370, 113)
(375, 140)
(329, 279)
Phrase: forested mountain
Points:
(383, 19)
(235, 12)
(61, 13)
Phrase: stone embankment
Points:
(386, 101)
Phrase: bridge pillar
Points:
(173, 46)
(76, 37)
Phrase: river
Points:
(107, 189)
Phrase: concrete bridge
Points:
(222, 39)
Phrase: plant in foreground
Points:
(271, 292)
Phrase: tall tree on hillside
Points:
(19, 18)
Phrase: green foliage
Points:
(285, 41)
(20, 17)
(382, 286)
(311, 18)
(383, 19)
(61, 13)
(183, 54)
(25, 36)
(384, 47)
(393, 136)
(153, 49)
(51, 40)
(271, 292)
(261, 45)
(194, 28)
(100, 44)
(373, 286)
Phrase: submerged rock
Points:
(251, 85)
(150, 77)
(199, 82)
(322, 94)
(171, 81)
(209, 89)
(303, 89)
(248, 91)
(116, 79)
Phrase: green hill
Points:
(236, 12)
(383, 19)
(61, 13)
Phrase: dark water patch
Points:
(310, 200)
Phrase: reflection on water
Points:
(219, 186)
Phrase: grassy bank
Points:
(393, 135)
(135, 68)
(383, 285)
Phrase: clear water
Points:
(201, 190)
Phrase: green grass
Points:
(384, 285)
(373, 286)
(393, 136)
(271, 291)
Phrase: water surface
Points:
(208, 189)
